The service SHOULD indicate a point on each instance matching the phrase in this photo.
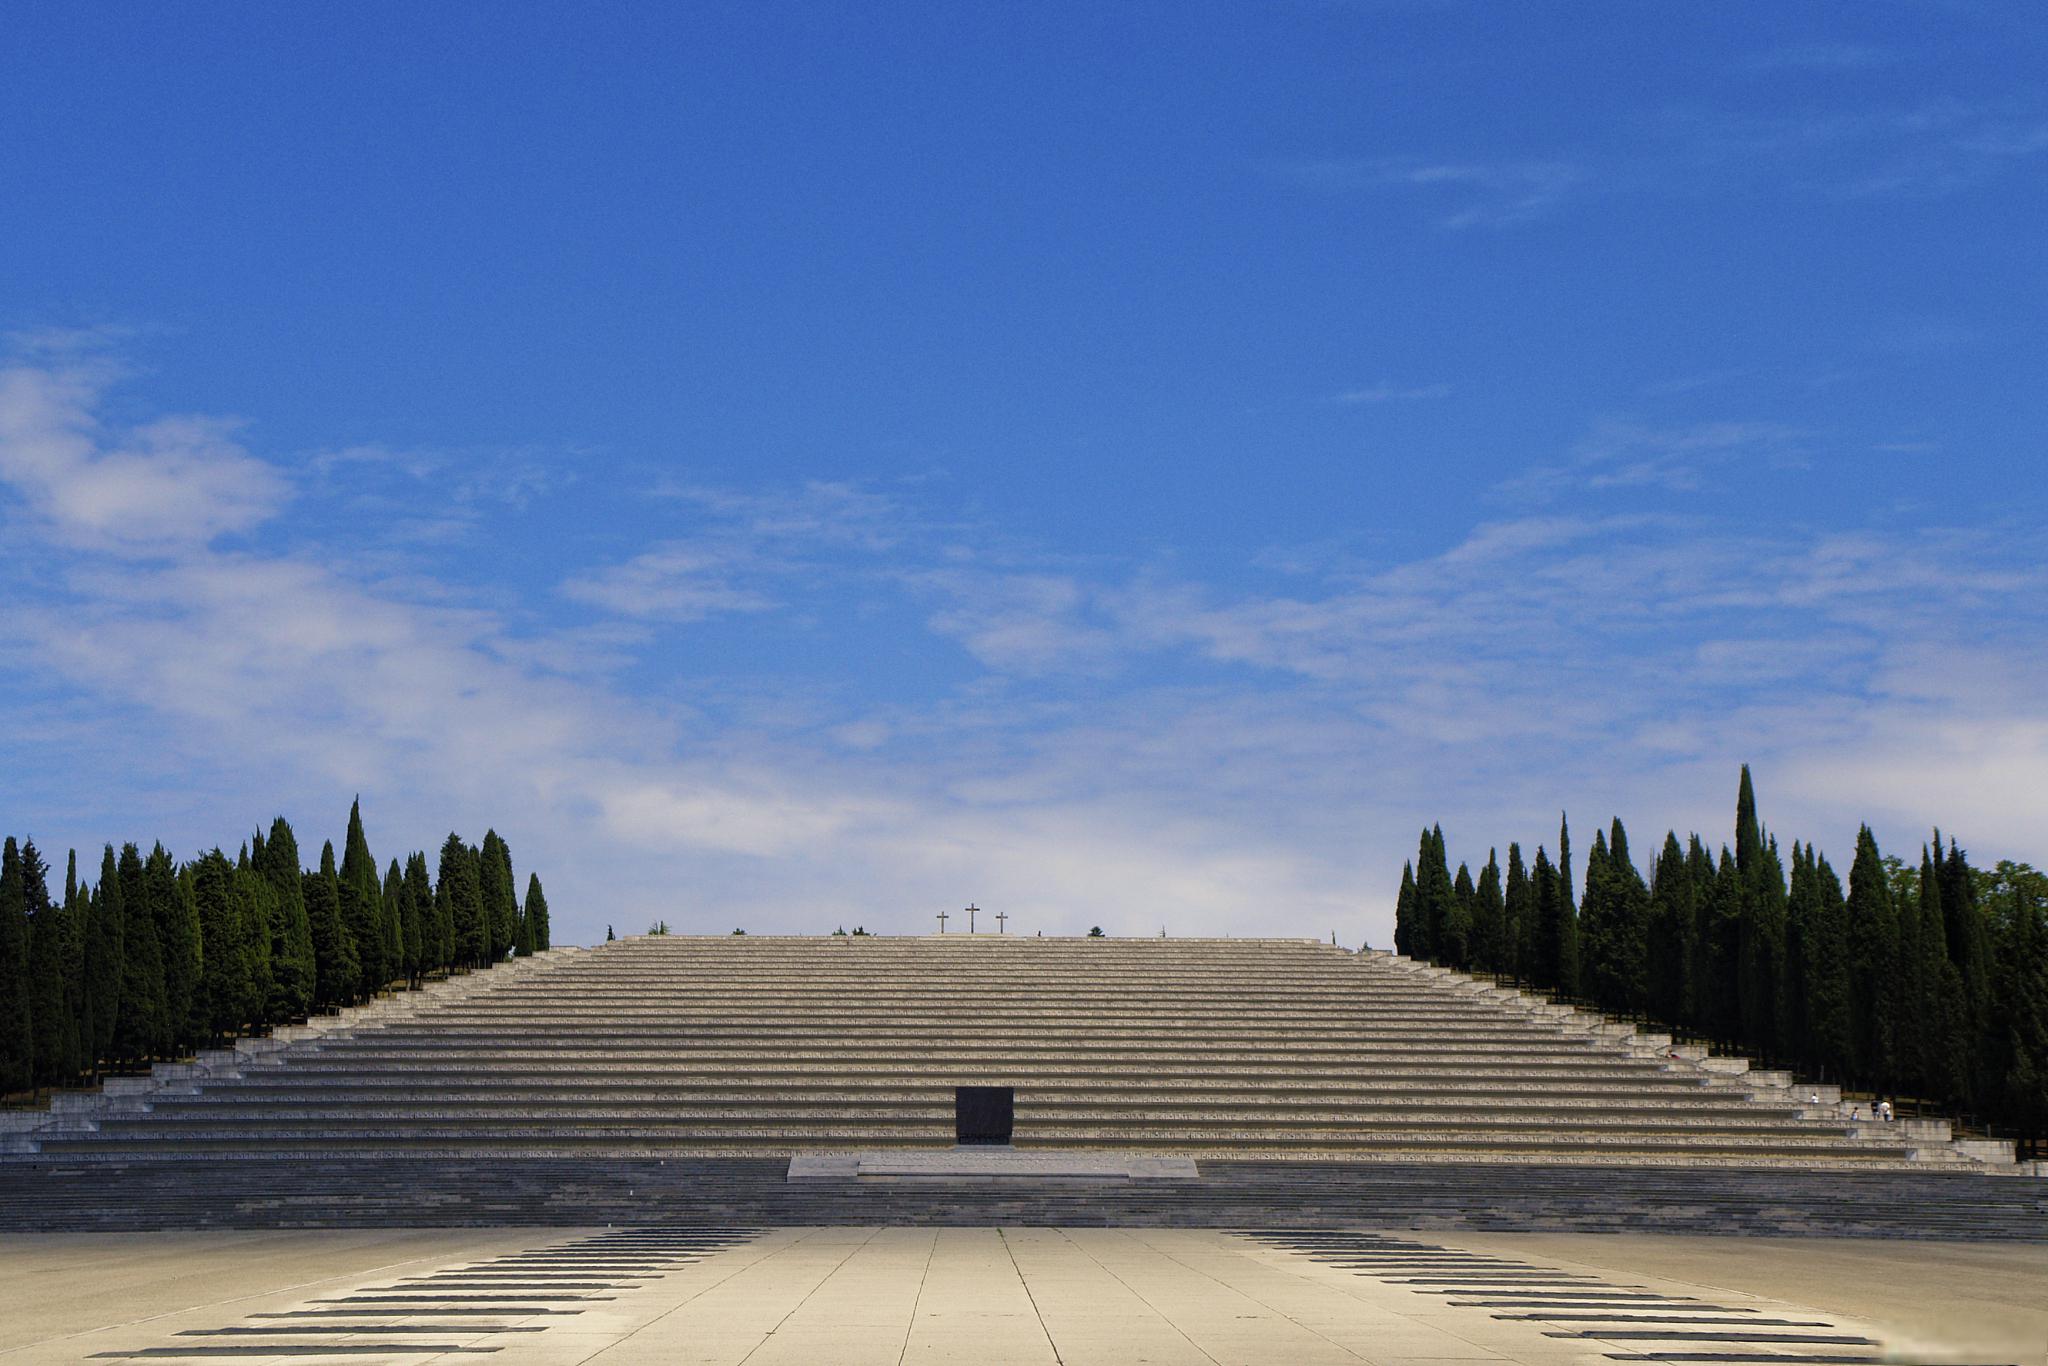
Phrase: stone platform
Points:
(990, 1164)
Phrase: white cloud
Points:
(1384, 392)
(167, 485)
(1137, 746)
(676, 582)
(1468, 193)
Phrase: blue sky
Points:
(792, 465)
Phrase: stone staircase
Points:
(686, 1047)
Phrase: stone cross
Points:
(971, 909)
(1001, 917)
(943, 918)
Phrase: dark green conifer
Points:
(1518, 918)
(337, 973)
(1873, 963)
(1567, 923)
(294, 964)
(1830, 1015)
(457, 896)
(169, 898)
(1943, 1040)
(1543, 967)
(536, 913)
(362, 906)
(224, 970)
(1672, 926)
(1970, 933)
(499, 895)
(1628, 931)
(436, 939)
(1724, 918)
(103, 965)
(55, 1032)
(398, 905)
(17, 1022)
(255, 912)
(1596, 973)
(143, 1029)
(2016, 1045)
(77, 916)
(1488, 919)
(1406, 938)
(1457, 946)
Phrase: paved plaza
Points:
(1001, 1295)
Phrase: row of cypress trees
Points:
(158, 957)
(1927, 979)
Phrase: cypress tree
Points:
(77, 914)
(1628, 953)
(522, 945)
(336, 971)
(1970, 934)
(143, 1029)
(1543, 969)
(1457, 948)
(17, 1026)
(1830, 1012)
(1944, 1043)
(1723, 1002)
(436, 947)
(294, 963)
(457, 896)
(1873, 963)
(169, 899)
(1488, 948)
(1595, 929)
(362, 908)
(1406, 940)
(2017, 1044)
(1672, 926)
(1518, 918)
(255, 907)
(494, 885)
(54, 1031)
(224, 974)
(1701, 873)
(536, 912)
(1567, 914)
(103, 963)
(398, 907)
(1760, 927)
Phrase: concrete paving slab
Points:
(992, 1296)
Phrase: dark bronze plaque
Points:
(983, 1114)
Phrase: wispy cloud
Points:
(165, 485)
(1925, 150)
(1620, 453)
(1821, 57)
(1386, 392)
(676, 583)
(1099, 742)
(1464, 194)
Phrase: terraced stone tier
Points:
(674, 1046)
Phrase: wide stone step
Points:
(924, 1092)
(709, 1138)
(1029, 1113)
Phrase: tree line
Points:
(1927, 979)
(158, 957)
